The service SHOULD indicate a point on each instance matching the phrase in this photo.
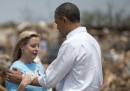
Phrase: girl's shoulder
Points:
(17, 64)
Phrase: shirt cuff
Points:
(41, 81)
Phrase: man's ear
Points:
(64, 19)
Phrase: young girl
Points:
(25, 51)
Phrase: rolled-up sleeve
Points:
(59, 68)
(42, 82)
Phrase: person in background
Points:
(78, 64)
(25, 51)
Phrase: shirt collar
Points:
(75, 31)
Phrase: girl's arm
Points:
(26, 79)
(21, 87)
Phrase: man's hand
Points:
(14, 76)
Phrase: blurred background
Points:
(107, 20)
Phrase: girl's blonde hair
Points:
(22, 40)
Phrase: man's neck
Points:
(73, 26)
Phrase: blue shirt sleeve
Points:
(28, 68)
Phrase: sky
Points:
(43, 10)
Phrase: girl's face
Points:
(30, 50)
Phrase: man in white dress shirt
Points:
(78, 64)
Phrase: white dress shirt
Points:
(77, 66)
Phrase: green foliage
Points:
(97, 18)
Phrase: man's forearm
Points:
(35, 82)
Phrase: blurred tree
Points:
(127, 21)
(118, 19)
(110, 13)
(100, 18)
(87, 19)
(8, 25)
(95, 18)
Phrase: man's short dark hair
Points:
(68, 10)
